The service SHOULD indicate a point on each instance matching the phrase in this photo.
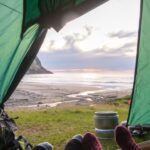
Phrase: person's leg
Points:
(124, 139)
(75, 143)
(91, 142)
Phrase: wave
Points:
(95, 79)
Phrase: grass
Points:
(58, 125)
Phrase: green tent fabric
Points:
(23, 26)
(139, 114)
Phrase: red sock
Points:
(91, 142)
(124, 139)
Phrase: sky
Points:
(104, 39)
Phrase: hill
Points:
(37, 68)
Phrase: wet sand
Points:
(44, 95)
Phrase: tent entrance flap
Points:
(27, 23)
(139, 114)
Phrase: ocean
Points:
(106, 81)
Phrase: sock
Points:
(75, 143)
(91, 142)
(124, 139)
(38, 148)
(43, 146)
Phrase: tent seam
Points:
(10, 8)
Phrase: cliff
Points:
(37, 68)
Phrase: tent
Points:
(139, 113)
(23, 26)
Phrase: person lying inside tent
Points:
(90, 142)
(8, 141)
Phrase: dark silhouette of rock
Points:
(37, 68)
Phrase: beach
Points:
(37, 95)
(55, 109)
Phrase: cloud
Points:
(127, 49)
(108, 56)
(122, 34)
(86, 61)
(60, 42)
(104, 58)
(74, 38)
(128, 45)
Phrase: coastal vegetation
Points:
(58, 125)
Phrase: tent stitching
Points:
(10, 8)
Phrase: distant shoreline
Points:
(35, 95)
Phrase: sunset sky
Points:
(103, 39)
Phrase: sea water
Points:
(99, 80)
